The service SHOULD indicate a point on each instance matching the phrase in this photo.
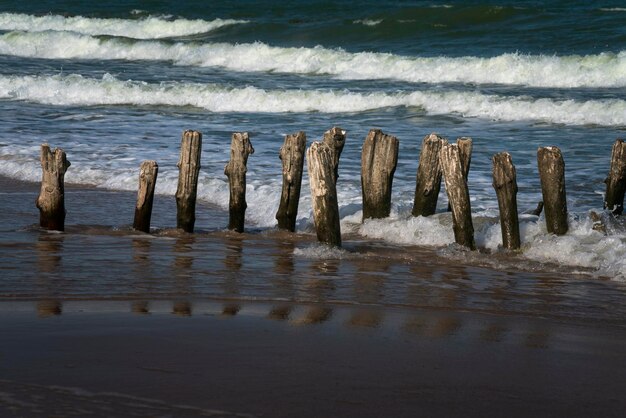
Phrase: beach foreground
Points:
(104, 321)
(163, 358)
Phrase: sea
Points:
(115, 83)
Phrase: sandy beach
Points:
(103, 321)
(161, 358)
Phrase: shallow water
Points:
(103, 259)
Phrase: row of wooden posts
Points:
(379, 157)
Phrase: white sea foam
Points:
(78, 90)
(432, 231)
(318, 251)
(369, 22)
(582, 247)
(601, 70)
(145, 28)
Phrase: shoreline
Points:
(211, 220)
(100, 259)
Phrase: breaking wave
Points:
(601, 70)
(145, 28)
(78, 90)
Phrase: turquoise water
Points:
(117, 82)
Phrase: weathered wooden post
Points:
(458, 195)
(235, 170)
(320, 164)
(552, 174)
(465, 144)
(51, 200)
(189, 168)
(465, 149)
(428, 181)
(335, 138)
(379, 158)
(616, 180)
(292, 156)
(505, 184)
(148, 172)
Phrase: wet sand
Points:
(214, 359)
(104, 320)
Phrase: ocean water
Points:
(114, 83)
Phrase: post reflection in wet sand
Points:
(549, 291)
(141, 307)
(433, 326)
(314, 315)
(182, 308)
(183, 254)
(49, 249)
(494, 332)
(500, 291)
(233, 260)
(142, 266)
(455, 287)
(141, 252)
(321, 284)
(284, 264)
(280, 313)
(420, 289)
(231, 309)
(282, 281)
(368, 318)
(370, 280)
(46, 308)
(319, 289)
(430, 286)
(183, 265)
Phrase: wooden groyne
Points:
(292, 156)
(505, 184)
(379, 156)
(189, 169)
(51, 200)
(148, 172)
(235, 170)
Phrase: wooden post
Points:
(189, 168)
(616, 180)
(292, 156)
(320, 163)
(379, 158)
(428, 182)
(51, 200)
(148, 172)
(458, 195)
(335, 138)
(552, 174)
(465, 148)
(235, 170)
(505, 184)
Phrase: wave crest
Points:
(78, 90)
(601, 70)
(144, 28)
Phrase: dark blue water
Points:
(452, 28)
